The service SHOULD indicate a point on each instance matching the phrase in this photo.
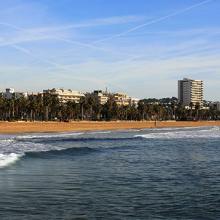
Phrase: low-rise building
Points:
(123, 99)
(134, 101)
(65, 95)
(215, 105)
(101, 96)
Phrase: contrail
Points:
(69, 41)
(154, 21)
(59, 66)
(92, 45)
(11, 26)
(61, 39)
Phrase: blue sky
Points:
(141, 47)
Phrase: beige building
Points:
(190, 91)
(101, 96)
(123, 99)
(65, 95)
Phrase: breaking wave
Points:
(7, 159)
(12, 148)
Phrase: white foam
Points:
(100, 132)
(8, 159)
(212, 132)
(47, 135)
(215, 128)
(174, 128)
(14, 147)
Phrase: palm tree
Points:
(141, 108)
(110, 109)
(173, 107)
(71, 109)
(51, 105)
(191, 105)
(82, 103)
(32, 106)
(197, 108)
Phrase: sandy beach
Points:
(38, 127)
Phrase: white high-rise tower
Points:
(190, 91)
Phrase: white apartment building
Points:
(134, 101)
(10, 93)
(215, 105)
(218, 106)
(65, 95)
(190, 91)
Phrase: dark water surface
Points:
(143, 174)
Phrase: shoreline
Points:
(53, 127)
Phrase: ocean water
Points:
(168, 173)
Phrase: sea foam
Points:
(205, 132)
(12, 148)
(8, 159)
(47, 136)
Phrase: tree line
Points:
(47, 107)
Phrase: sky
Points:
(140, 47)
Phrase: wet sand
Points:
(38, 127)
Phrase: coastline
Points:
(48, 127)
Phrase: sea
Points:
(161, 173)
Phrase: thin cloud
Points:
(58, 66)
(155, 21)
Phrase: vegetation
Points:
(47, 107)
